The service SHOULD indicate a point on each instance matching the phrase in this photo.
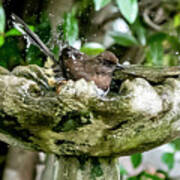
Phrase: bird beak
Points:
(119, 66)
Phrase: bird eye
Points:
(106, 62)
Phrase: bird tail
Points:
(33, 38)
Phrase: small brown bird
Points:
(98, 69)
(72, 64)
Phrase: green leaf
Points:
(100, 4)
(155, 49)
(1, 40)
(176, 144)
(129, 9)
(10, 54)
(168, 159)
(96, 170)
(177, 20)
(15, 32)
(136, 159)
(70, 28)
(140, 31)
(92, 48)
(32, 28)
(157, 37)
(2, 19)
(124, 39)
(34, 56)
(133, 178)
(123, 170)
(155, 53)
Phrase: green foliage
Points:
(155, 53)
(129, 9)
(96, 170)
(133, 178)
(124, 39)
(1, 40)
(155, 49)
(83, 5)
(2, 19)
(176, 144)
(43, 29)
(15, 32)
(10, 53)
(136, 159)
(139, 31)
(70, 28)
(144, 175)
(14, 52)
(177, 20)
(160, 48)
(123, 170)
(168, 159)
(34, 56)
(2, 25)
(100, 4)
(92, 48)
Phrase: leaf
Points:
(124, 39)
(155, 50)
(70, 28)
(34, 56)
(15, 32)
(177, 20)
(155, 53)
(2, 19)
(96, 170)
(133, 178)
(32, 28)
(176, 144)
(157, 37)
(1, 40)
(100, 4)
(140, 31)
(92, 48)
(123, 170)
(10, 54)
(136, 159)
(168, 159)
(129, 9)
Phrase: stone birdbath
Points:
(84, 130)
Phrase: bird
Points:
(98, 69)
(73, 64)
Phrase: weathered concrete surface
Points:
(81, 168)
(78, 121)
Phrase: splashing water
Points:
(20, 29)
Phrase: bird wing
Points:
(20, 25)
